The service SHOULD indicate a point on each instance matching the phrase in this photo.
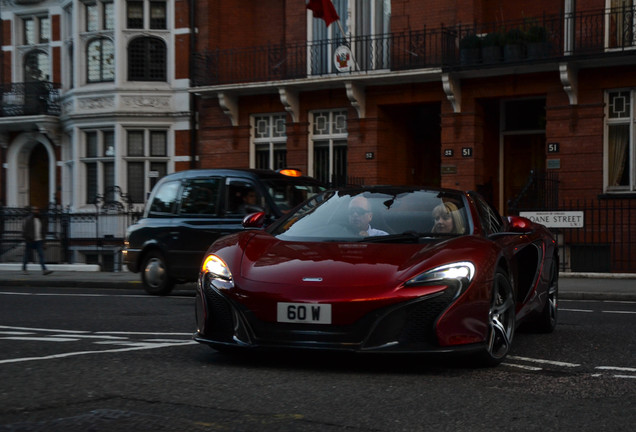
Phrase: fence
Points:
(604, 239)
(71, 237)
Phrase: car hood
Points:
(337, 264)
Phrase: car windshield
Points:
(287, 193)
(376, 215)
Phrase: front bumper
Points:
(409, 326)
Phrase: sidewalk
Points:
(572, 286)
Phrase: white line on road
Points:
(616, 368)
(541, 361)
(79, 353)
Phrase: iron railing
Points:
(547, 38)
(30, 98)
(97, 235)
(603, 241)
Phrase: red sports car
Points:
(385, 269)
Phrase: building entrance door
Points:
(521, 155)
(39, 177)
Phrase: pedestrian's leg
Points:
(25, 258)
(40, 251)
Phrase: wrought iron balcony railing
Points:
(30, 98)
(547, 38)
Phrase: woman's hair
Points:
(450, 208)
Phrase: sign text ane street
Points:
(555, 219)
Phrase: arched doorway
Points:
(38, 169)
(30, 171)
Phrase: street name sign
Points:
(556, 219)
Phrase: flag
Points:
(323, 9)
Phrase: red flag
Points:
(323, 9)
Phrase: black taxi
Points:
(188, 210)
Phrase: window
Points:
(621, 24)
(37, 30)
(99, 164)
(200, 196)
(165, 199)
(137, 11)
(146, 161)
(100, 63)
(147, 59)
(36, 66)
(619, 130)
(329, 139)
(270, 138)
(369, 18)
(100, 16)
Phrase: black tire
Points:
(154, 274)
(501, 322)
(547, 320)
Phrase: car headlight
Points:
(458, 274)
(217, 272)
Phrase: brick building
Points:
(528, 102)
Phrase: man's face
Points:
(359, 214)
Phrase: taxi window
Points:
(165, 199)
(243, 197)
(200, 196)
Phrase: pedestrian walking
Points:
(33, 231)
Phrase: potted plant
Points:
(514, 45)
(491, 47)
(469, 49)
(537, 44)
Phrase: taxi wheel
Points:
(154, 274)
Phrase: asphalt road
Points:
(120, 360)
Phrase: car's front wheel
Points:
(501, 322)
(154, 274)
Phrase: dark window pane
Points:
(91, 144)
(158, 143)
(157, 15)
(109, 143)
(136, 181)
(135, 14)
(147, 60)
(91, 182)
(158, 170)
(135, 143)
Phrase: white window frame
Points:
(102, 157)
(630, 164)
(331, 133)
(146, 158)
(269, 137)
(613, 5)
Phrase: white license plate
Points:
(309, 313)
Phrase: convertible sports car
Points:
(385, 269)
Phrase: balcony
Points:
(602, 37)
(30, 99)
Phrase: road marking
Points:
(79, 353)
(616, 368)
(41, 339)
(98, 338)
(541, 361)
(532, 368)
(575, 310)
(620, 312)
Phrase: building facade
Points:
(95, 96)
(530, 103)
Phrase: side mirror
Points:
(519, 224)
(254, 220)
